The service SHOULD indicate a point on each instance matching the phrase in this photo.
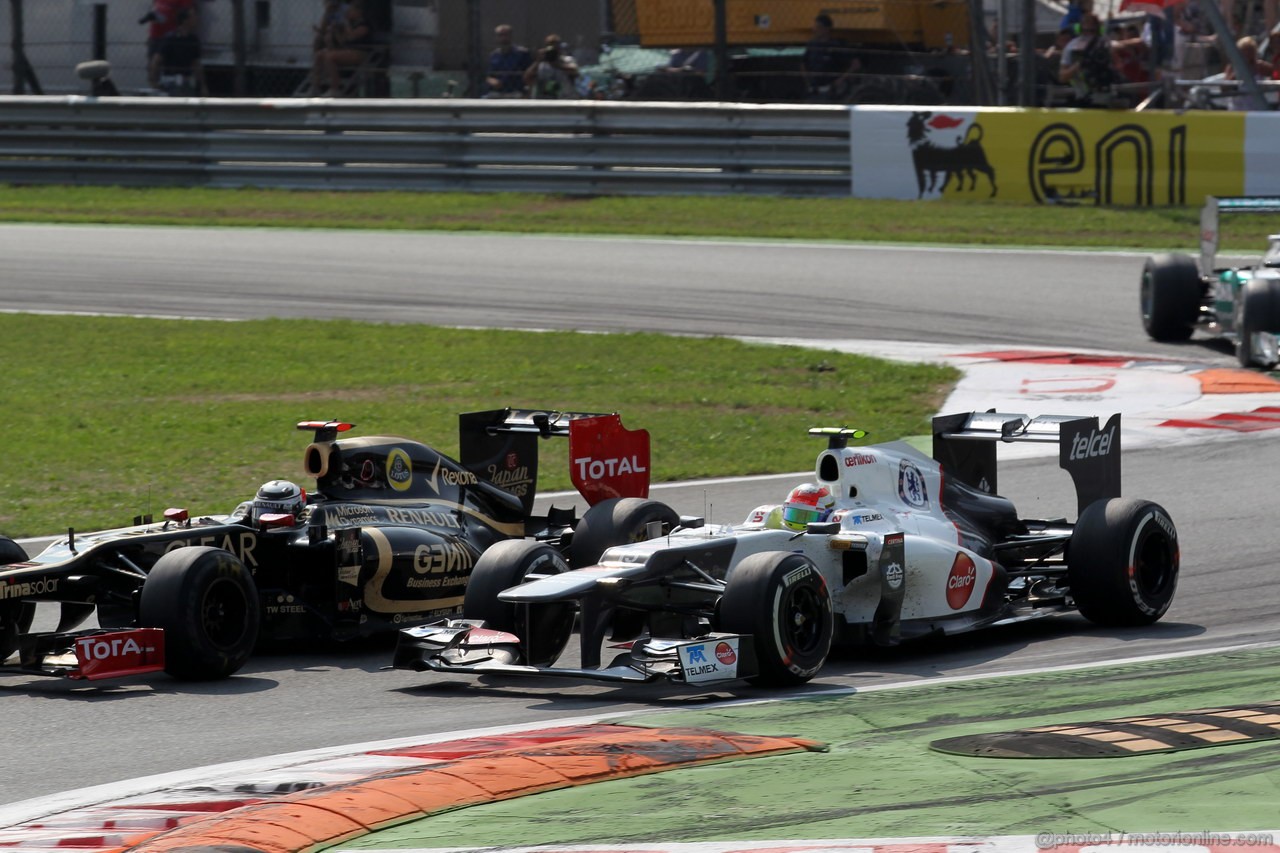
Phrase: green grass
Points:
(984, 223)
(113, 417)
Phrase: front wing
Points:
(90, 655)
(468, 646)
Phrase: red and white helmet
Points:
(807, 503)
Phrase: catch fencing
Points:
(584, 147)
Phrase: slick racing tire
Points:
(1170, 296)
(207, 604)
(781, 600)
(617, 521)
(1122, 562)
(15, 616)
(1257, 310)
(544, 629)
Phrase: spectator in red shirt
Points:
(163, 19)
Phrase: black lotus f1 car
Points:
(911, 546)
(387, 539)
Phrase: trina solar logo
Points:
(961, 581)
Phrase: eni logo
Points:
(399, 470)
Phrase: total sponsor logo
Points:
(597, 469)
(1096, 443)
(108, 648)
(961, 581)
(399, 470)
(26, 589)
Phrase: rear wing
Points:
(965, 446)
(1209, 214)
(606, 460)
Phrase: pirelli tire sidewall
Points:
(207, 603)
(1123, 561)
(781, 600)
(544, 629)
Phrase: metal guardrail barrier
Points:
(584, 147)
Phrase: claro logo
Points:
(1096, 443)
(961, 581)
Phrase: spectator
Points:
(345, 45)
(176, 65)
(1076, 10)
(334, 14)
(555, 74)
(688, 60)
(827, 62)
(1131, 55)
(1086, 65)
(1262, 70)
(162, 19)
(507, 64)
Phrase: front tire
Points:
(1170, 296)
(1123, 562)
(207, 604)
(617, 521)
(1257, 310)
(544, 629)
(781, 600)
(15, 616)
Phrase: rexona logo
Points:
(399, 470)
(449, 477)
(1096, 443)
(596, 469)
(725, 654)
(961, 581)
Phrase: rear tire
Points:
(617, 521)
(781, 600)
(1123, 562)
(1257, 310)
(207, 604)
(15, 616)
(1170, 297)
(544, 630)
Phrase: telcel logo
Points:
(1094, 444)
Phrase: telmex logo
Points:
(1094, 444)
(399, 470)
(594, 469)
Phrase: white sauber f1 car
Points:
(911, 546)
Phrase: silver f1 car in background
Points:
(913, 546)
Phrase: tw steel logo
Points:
(961, 581)
(1096, 443)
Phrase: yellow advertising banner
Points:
(1049, 156)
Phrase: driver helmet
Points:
(807, 503)
(278, 496)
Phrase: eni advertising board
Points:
(1062, 156)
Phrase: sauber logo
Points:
(1096, 443)
(961, 581)
(596, 469)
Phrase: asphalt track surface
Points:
(61, 735)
